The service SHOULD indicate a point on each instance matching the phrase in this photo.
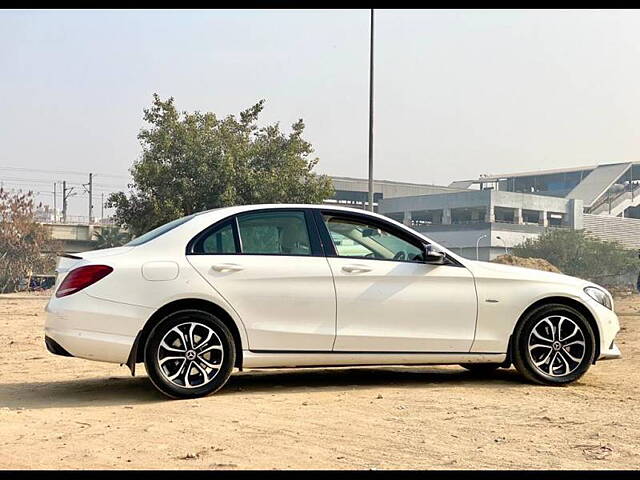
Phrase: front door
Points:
(389, 300)
(269, 266)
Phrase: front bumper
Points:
(608, 327)
(612, 353)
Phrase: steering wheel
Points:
(401, 255)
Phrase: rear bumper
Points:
(91, 328)
(55, 348)
(103, 347)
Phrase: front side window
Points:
(355, 238)
(347, 247)
(274, 233)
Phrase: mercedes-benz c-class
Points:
(316, 285)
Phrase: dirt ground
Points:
(58, 412)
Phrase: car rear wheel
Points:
(189, 353)
(553, 345)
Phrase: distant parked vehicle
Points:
(41, 282)
(36, 282)
(313, 285)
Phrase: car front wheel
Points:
(189, 353)
(553, 345)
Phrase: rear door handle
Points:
(227, 267)
(356, 268)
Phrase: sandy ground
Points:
(58, 412)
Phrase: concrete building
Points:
(484, 217)
(607, 189)
(483, 223)
(75, 237)
(481, 217)
(353, 192)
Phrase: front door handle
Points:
(356, 268)
(227, 267)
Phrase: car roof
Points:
(262, 206)
(219, 213)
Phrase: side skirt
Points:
(343, 359)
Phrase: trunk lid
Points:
(69, 261)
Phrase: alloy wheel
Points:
(556, 345)
(190, 355)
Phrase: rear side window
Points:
(274, 233)
(156, 232)
(219, 241)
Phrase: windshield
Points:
(156, 232)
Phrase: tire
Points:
(189, 354)
(481, 368)
(548, 355)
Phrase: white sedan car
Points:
(315, 285)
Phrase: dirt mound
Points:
(535, 263)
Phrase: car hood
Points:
(497, 270)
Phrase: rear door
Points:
(268, 264)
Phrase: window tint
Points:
(274, 233)
(156, 232)
(219, 241)
(355, 238)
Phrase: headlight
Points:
(599, 296)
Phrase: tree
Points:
(576, 253)
(110, 237)
(196, 161)
(26, 246)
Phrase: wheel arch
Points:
(569, 302)
(137, 350)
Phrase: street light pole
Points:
(478, 246)
(371, 116)
(506, 251)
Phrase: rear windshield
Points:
(161, 230)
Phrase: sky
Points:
(457, 93)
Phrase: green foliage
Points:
(196, 161)
(578, 254)
(110, 237)
(26, 246)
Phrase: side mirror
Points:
(433, 255)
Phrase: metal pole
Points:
(371, 117)
(506, 251)
(64, 201)
(478, 246)
(55, 215)
(102, 211)
(90, 197)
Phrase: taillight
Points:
(82, 277)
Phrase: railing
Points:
(468, 222)
(78, 219)
(616, 199)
